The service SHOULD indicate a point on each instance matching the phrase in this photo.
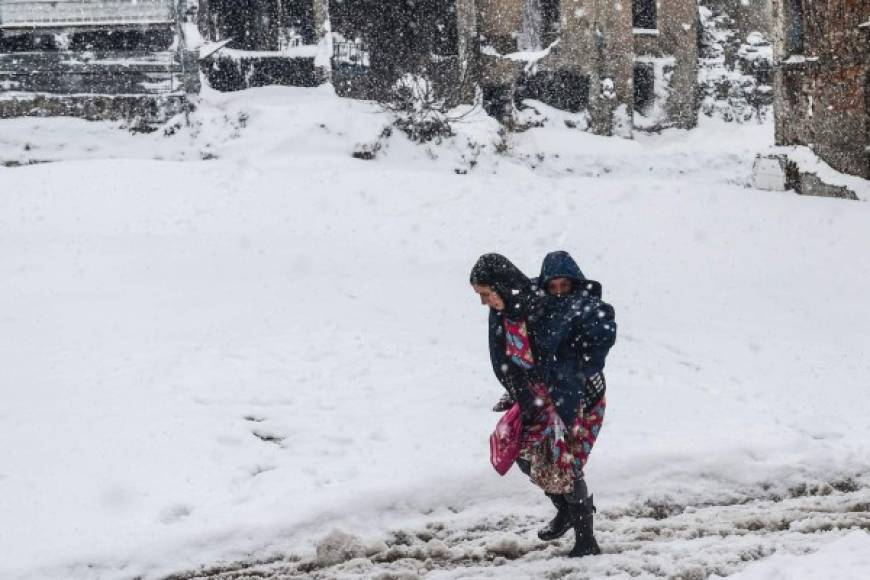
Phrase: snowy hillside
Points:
(223, 345)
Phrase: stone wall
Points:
(497, 24)
(821, 92)
(591, 67)
(675, 46)
(499, 20)
(747, 15)
(598, 40)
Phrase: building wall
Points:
(676, 44)
(498, 22)
(320, 10)
(596, 41)
(466, 33)
(257, 24)
(260, 29)
(94, 60)
(821, 92)
(748, 15)
(594, 57)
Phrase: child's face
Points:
(559, 286)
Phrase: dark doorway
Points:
(498, 102)
(566, 90)
(644, 87)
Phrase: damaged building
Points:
(101, 59)
(264, 42)
(628, 64)
(106, 59)
(822, 88)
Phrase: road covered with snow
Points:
(233, 349)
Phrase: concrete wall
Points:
(821, 96)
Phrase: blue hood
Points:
(562, 265)
(559, 265)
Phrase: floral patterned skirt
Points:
(556, 453)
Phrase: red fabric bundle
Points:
(504, 443)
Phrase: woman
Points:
(540, 347)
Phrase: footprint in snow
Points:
(652, 539)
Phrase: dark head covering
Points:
(562, 265)
(514, 287)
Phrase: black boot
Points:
(560, 524)
(582, 508)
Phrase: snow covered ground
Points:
(223, 346)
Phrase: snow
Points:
(769, 175)
(274, 356)
(35, 14)
(209, 48)
(800, 59)
(731, 89)
(304, 51)
(657, 115)
(808, 162)
(845, 559)
(531, 57)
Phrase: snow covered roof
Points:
(72, 13)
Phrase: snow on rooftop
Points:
(64, 13)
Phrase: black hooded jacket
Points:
(581, 329)
(522, 302)
(569, 337)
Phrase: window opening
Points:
(794, 22)
(645, 14)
